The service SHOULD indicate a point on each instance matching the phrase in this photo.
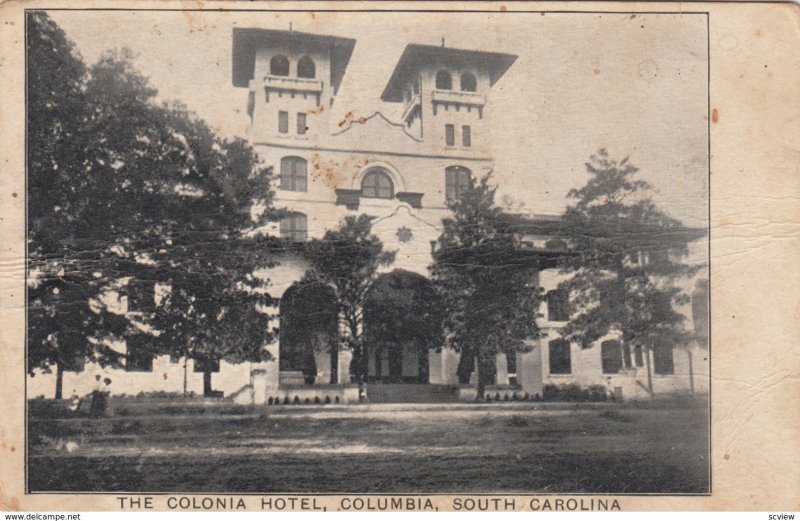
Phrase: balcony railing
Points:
(412, 104)
(295, 84)
(458, 97)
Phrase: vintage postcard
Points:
(381, 257)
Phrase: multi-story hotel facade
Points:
(401, 172)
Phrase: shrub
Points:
(597, 393)
(573, 393)
(550, 393)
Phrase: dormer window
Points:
(377, 185)
(444, 81)
(279, 66)
(468, 82)
(306, 68)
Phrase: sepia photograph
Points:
(374, 252)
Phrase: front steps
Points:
(411, 393)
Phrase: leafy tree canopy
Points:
(348, 260)
(488, 283)
(129, 198)
(625, 269)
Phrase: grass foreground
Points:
(659, 447)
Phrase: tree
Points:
(624, 271)
(348, 260)
(488, 283)
(129, 196)
(66, 321)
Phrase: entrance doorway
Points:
(308, 333)
(402, 323)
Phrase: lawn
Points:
(491, 448)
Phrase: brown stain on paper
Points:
(714, 115)
(351, 118)
(332, 173)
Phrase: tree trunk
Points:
(360, 359)
(487, 372)
(185, 375)
(378, 363)
(649, 373)
(466, 364)
(59, 380)
(423, 369)
(334, 364)
(691, 371)
(207, 383)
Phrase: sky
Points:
(635, 85)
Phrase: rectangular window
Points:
(638, 356)
(301, 123)
(560, 358)
(662, 361)
(611, 354)
(294, 172)
(466, 136)
(137, 358)
(283, 122)
(450, 135)
(456, 180)
(295, 226)
(557, 305)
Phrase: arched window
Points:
(444, 81)
(294, 226)
(306, 68)
(457, 179)
(468, 82)
(377, 184)
(293, 174)
(279, 66)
